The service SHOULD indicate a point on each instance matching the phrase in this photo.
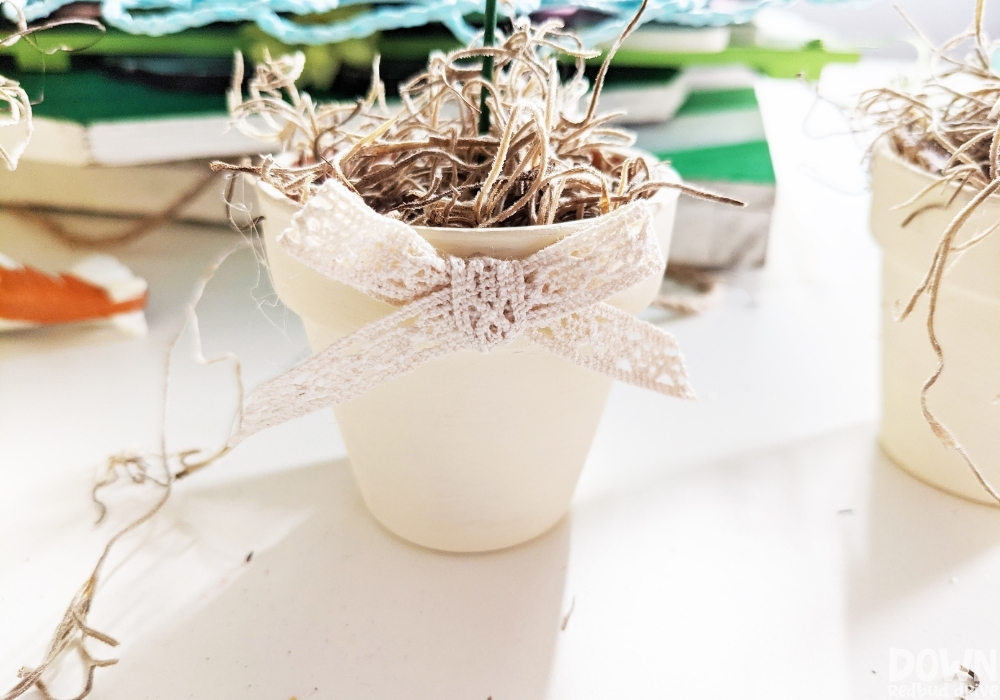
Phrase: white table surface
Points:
(753, 544)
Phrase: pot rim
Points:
(661, 195)
(885, 150)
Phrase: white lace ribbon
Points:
(554, 298)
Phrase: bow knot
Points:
(488, 299)
(553, 298)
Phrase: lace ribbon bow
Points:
(554, 298)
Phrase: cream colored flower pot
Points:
(965, 398)
(472, 451)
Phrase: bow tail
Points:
(353, 365)
(615, 343)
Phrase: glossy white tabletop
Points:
(752, 544)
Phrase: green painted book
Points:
(717, 141)
(86, 117)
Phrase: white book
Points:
(643, 103)
(688, 132)
(138, 142)
(668, 38)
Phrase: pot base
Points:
(447, 542)
(984, 500)
(474, 452)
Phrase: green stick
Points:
(489, 38)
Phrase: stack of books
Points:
(122, 131)
(717, 141)
(126, 124)
(122, 148)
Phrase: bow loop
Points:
(342, 238)
(613, 253)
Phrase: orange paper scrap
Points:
(96, 289)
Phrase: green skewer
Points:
(489, 38)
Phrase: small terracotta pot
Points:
(472, 451)
(965, 397)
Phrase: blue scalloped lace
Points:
(160, 17)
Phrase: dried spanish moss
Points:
(544, 159)
(950, 127)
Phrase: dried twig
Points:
(74, 631)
